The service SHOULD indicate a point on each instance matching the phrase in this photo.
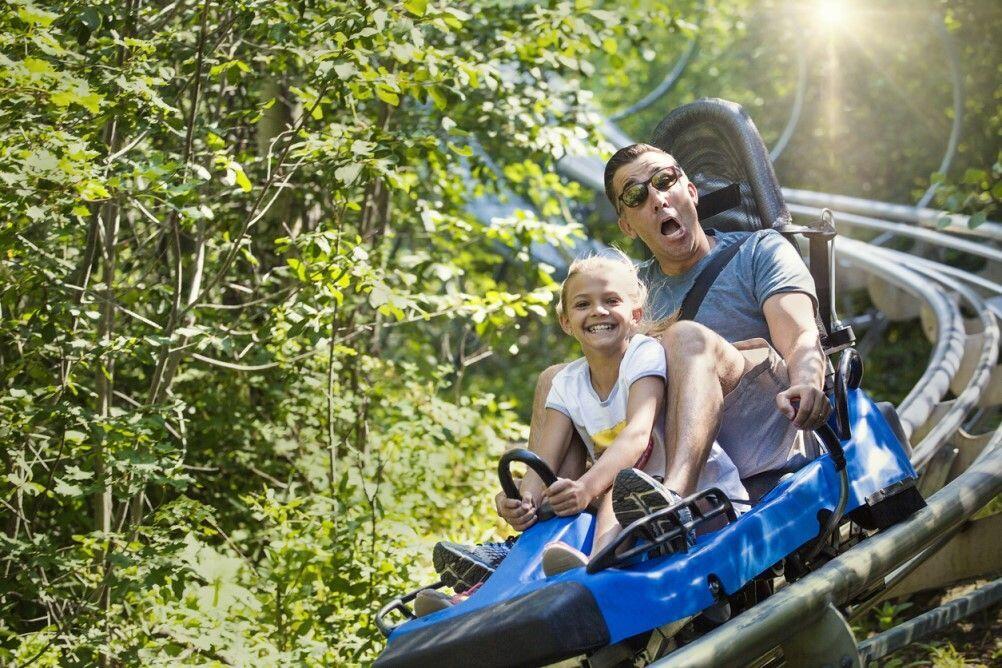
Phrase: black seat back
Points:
(717, 144)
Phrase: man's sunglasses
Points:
(635, 194)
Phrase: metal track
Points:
(776, 619)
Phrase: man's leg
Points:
(702, 369)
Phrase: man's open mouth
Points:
(670, 226)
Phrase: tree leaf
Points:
(347, 174)
(241, 179)
(64, 488)
(416, 7)
(387, 96)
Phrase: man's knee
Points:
(689, 339)
(690, 343)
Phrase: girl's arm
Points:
(552, 448)
(552, 445)
(572, 496)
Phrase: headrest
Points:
(717, 144)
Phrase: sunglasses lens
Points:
(635, 195)
(664, 179)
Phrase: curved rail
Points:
(957, 78)
(666, 84)
(798, 107)
(917, 403)
(761, 628)
(903, 229)
(948, 349)
(921, 216)
(671, 78)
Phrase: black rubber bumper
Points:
(543, 626)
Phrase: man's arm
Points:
(794, 333)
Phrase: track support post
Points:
(826, 642)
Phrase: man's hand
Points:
(805, 405)
(568, 497)
(519, 513)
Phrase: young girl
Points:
(613, 397)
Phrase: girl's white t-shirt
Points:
(598, 421)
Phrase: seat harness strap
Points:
(694, 298)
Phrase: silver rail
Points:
(929, 622)
(917, 406)
(979, 249)
(758, 630)
(948, 349)
(922, 217)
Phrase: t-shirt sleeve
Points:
(556, 397)
(779, 268)
(647, 359)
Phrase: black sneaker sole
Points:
(636, 495)
(457, 569)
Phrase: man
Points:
(753, 397)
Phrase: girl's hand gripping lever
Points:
(534, 462)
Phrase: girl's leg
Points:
(558, 556)
(573, 464)
(606, 526)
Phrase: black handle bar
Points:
(849, 376)
(530, 459)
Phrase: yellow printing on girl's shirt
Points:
(603, 439)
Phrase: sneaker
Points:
(635, 495)
(428, 601)
(463, 566)
(558, 557)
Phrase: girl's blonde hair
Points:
(614, 258)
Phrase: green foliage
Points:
(893, 367)
(975, 187)
(244, 303)
(256, 352)
(945, 655)
(888, 614)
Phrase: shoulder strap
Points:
(694, 298)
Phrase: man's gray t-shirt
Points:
(753, 432)
(767, 264)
